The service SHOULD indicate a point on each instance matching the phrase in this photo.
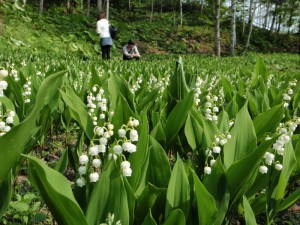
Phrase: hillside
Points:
(61, 32)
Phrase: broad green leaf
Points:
(176, 217)
(241, 173)
(249, 215)
(63, 161)
(140, 157)
(77, 109)
(261, 70)
(56, 191)
(6, 190)
(108, 196)
(149, 220)
(207, 210)
(290, 200)
(216, 185)
(122, 113)
(159, 170)
(178, 192)
(13, 143)
(148, 99)
(178, 88)
(193, 132)
(178, 114)
(243, 141)
(268, 121)
(153, 199)
(117, 86)
(227, 88)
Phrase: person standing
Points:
(130, 51)
(105, 39)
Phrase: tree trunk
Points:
(250, 30)
(233, 26)
(250, 13)
(107, 9)
(88, 7)
(267, 14)
(129, 5)
(161, 6)
(152, 8)
(41, 6)
(181, 16)
(244, 18)
(274, 16)
(99, 6)
(217, 28)
(291, 16)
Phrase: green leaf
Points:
(193, 132)
(153, 199)
(117, 86)
(268, 121)
(227, 88)
(6, 191)
(216, 185)
(108, 196)
(176, 217)
(20, 206)
(63, 161)
(149, 220)
(140, 157)
(148, 99)
(78, 111)
(178, 88)
(290, 200)
(178, 114)
(243, 141)
(207, 210)
(249, 215)
(241, 173)
(56, 191)
(178, 193)
(13, 143)
(159, 170)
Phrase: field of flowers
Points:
(192, 140)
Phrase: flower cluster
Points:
(136, 86)
(287, 97)
(97, 102)
(3, 83)
(285, 130)
(154, 83)
(6, 121)
(220, 140)
(197, 94)
(27, 90)
(90, 162)
(211, 107)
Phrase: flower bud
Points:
(121, 133)
(83, 159)
(80, 182)
(96, 163)
(94, 177)
(263, 169)
(82, 170)
(207, 170)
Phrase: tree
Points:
(250, 28)
(99, 6)
(217, 28)
(233, 26)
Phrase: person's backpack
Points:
(113, 31)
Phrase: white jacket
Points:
(103, 28)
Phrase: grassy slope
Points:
(60, 33)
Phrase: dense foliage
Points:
(166, 140)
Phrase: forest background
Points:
(211, 27)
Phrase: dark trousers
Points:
(105, 51)
(128, 58)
